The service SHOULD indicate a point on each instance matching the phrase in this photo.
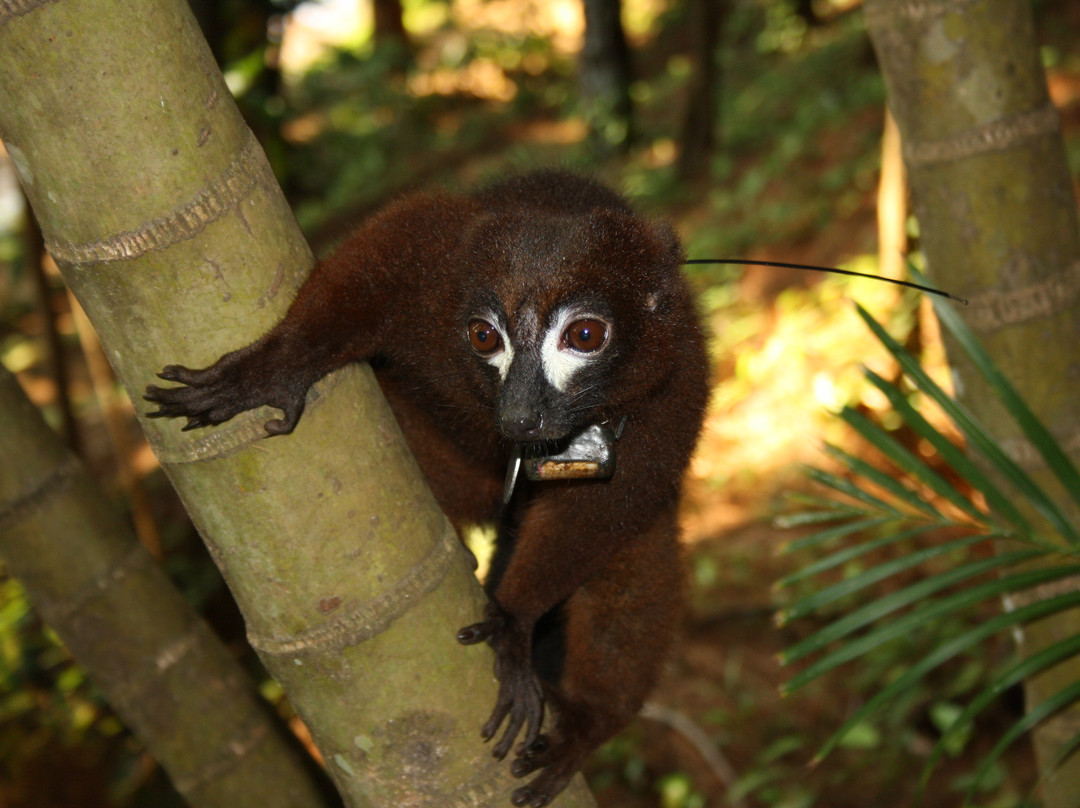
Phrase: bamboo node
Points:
(10, 9)
(358, 622)
(245, 429)
(31, 501)
(887, 12)
(184, 222)
(996, 308)
(230, 756)
(135, 559)
(997, 135)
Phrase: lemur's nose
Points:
(522, 426)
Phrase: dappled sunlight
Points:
(782, 372)
(561, 133)
(313, 29)
(480, 78)
(562, 22)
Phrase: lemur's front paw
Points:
(203, 399)
(235, 383)
(520, 699)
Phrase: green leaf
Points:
(909, 463)
(863, 735)
(835, 532)
(1056, 460)
(801, 518)
(979, 438)
(946, 716)
(950, 649)
(815, 501)
(894, 601)
(880, 572)
(885, 481)
(952, 455)
(847, 487)
(848, 554)
(1001, 682)
(911, 621)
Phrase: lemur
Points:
(517, 323)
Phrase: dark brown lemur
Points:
(537, 311)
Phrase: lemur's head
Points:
(568, 317)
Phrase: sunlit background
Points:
(799, 171)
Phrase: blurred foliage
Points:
(488, 86)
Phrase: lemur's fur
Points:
(524, 312)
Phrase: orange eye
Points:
(586, 335)
(484, 337)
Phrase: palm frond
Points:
(845, 486)
(965, 598)
(979, 438)
(953, 455)
(871, 513)
(908, 463)
(1012, 676)
(834, 532)
(828, 510)
(867, 578)
(855, 551)
(889, 483)
(895, 601)
(947, 650)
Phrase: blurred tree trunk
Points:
(606, 75)
(116, 415)
(998, 219)
(698, 136)
(160, 666)
(34, 251)
(391, 38)
(163, 215)
(388, 22)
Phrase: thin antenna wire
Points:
(811, 267)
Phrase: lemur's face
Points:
(557, 316)
(551, 365)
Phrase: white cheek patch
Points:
(501, 359)
(561, 363)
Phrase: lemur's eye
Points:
(586, 335)
(484, 337)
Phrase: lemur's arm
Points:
(344, 312)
